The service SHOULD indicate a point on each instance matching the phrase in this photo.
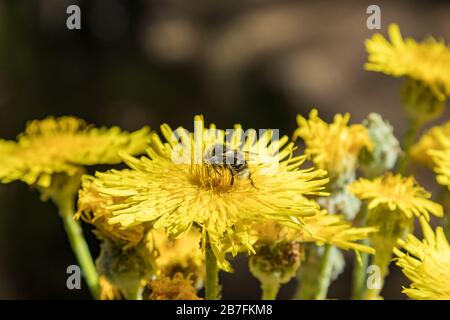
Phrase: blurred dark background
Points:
(135, 63)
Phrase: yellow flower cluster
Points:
(176, 214)
(177, 196)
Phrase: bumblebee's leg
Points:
(217, 171)
(251, 182)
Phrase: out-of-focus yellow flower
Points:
(176, 195)
(396, 193)
(322, 229)
(64, 145)
(393, 201)
(182, 255)
(433, 150)
(108, 291)
(173, 288)
(427, 62)
(426, 263)
(93, 209)
(437, 138)
(279, 249)
(442, 165)
(335, 146)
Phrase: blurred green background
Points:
(135, 63)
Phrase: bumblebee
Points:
(236, 161)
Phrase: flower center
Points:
(216, 177)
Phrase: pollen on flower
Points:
(219, 178)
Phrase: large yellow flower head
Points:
(64, 145)
(394, 193)
(334, 147)
(179, 185)
(426, 263)
(427, 62)
(437, 138)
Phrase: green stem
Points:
(270, 290)
(79, 246)
(359, 275)
(212, 275)
(306, 274)
(359, 269)
(414, 126)
(325, 269)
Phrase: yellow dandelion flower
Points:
(437, 138)
(333, 147)
(396, 193)
(93, 209)
(176, 188)
(63, 145)
(182, 255)
(173, 288)
(426, 263)
(427, 62)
